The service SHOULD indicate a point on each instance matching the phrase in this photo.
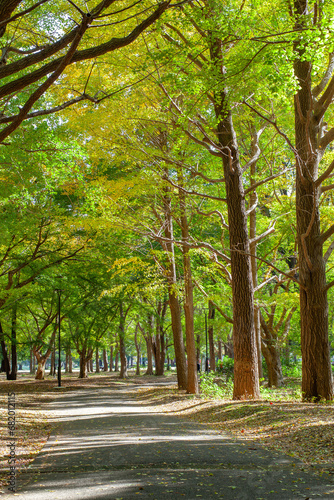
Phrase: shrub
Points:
(226, 367)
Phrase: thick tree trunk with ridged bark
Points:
(192, 381)
(246, 376)
(174, 305)
(316, 368)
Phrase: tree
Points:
(311, 140)
(66, 37)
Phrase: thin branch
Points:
(324, 189)
(327, 76)
(273, 267)
(325, 175)
(268, 179)
(327, 234)
(264, 283)
(23, 13)
(324, 101)
(203, 195)
(253, 207)
(45, 112)
(329, 285)
(217, 212)
(256, 149)
(201, 289)
(282, 134)
(329, 251)
(47, 84)
(270, 230)
(80, 55)
(326, 139)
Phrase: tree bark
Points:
(116, 360)
(211, 316)
(273, 362)
(4, 353)
(121, 336)
(246, 375)
(13, 373)
(192, 381)
(31, 362)
(175, 309)
(317, 380)
(252, 249)
(111, 364)
(85, 359)
(137, 345)
(105, 360)
(97, 360)
(159, 346)
(149, 345)
(53, 362)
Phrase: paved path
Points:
(109, 446)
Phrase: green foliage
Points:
(292, 370)
(225, 367)
(213, 387)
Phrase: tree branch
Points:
(81, 55)
(327, 234)
(325, 175)
(268, 179)
(47, 84)
(329, 251)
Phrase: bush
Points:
(226, 367)
(211, 389)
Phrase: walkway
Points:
(109, 446)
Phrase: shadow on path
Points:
(108, 446)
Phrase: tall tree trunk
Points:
(111, 364)
(211, 316)
(137, 345)
(220, 349)
(175, 309)
(4, 353)
(228, 347)
(53, 362)
(149, 346)
(31, 361)
(13, 373)
(121, 336)
(40, 373)
(83, 372)
(97, 360)
(116, 360)
(317, 380)
(66, 361)
(252, 249)
(91, 367)
(273, 362)
(198, 350)
(246, 375)
(192, 382)
(160, 343)
(85, 359)
(105, 360)
(70, 364)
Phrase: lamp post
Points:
(59, 344)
